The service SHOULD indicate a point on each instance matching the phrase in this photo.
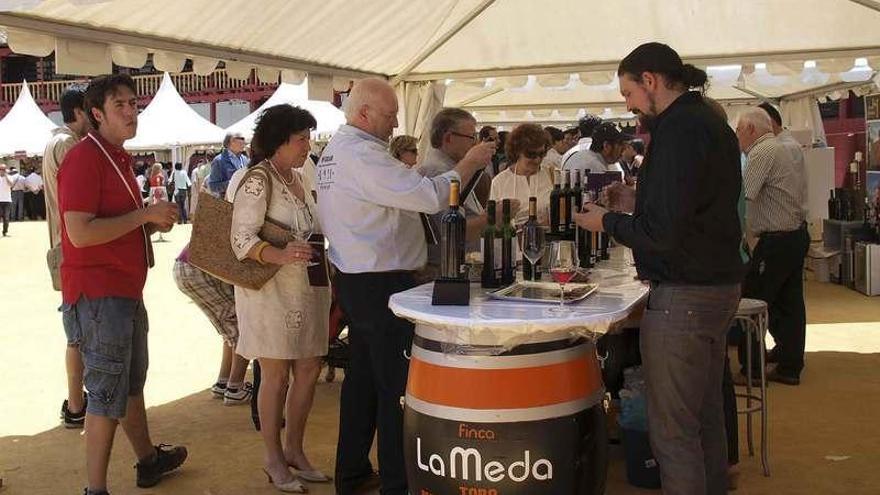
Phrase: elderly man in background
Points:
(227, 162)
(76, 125)
(775, 189)
(369, 206)
(453, 134)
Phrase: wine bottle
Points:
(832, 207)
(565, 206)
(577, 198)
(583, 239)
(531, 272)
(488, 241)
(508, 235)
(555, 202)
(452, 236)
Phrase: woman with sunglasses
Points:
(406, 149)
(526, 146)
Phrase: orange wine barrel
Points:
(479, 420)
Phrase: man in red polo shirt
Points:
(106, 252)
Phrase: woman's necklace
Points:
(285, 181)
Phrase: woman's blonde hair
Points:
(156, 168)
(402, 143)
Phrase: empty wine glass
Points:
(532, 245)
(304, 224)
(563, 267)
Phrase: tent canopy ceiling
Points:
(436, 39)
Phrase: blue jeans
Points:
(112, 336)
(683, 338)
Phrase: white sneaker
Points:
(238, 397)
(218, 390)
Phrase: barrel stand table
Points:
(505, 398)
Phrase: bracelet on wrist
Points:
(259, 254)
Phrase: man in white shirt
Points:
(368, 206)
(5, 198)
(574, 156)
(76, 125)
(605, 149)
(791, 145)
(558, 147)
(18, 190)
(34, 201)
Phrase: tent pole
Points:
(756, 94)
(828, 88)
(479, 96)
(871, 4)
(433, 47)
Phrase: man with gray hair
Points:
(369, 206)
(453, 134)
(227, 162)
(774, 184)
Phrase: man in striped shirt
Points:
(775, 191)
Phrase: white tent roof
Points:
(168, 122)
(25, 127)
(328, 116)
(438, 39)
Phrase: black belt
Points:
(781, 233)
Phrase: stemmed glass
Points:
(532, 245)
(563, 267)
(303, 228)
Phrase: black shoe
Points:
(73, 420)
(775, 376)
(167, 459)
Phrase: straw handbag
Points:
(210, 248)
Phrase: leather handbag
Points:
(211, 248)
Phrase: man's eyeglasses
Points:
(534, 155)
(472, 137)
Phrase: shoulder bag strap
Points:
(138, 204)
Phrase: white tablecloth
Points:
(490, 322)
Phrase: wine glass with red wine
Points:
(563, 267)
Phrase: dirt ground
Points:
(823, 434)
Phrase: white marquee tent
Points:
(328, 116)
(420, 43)
(25, 128)
(168, 122)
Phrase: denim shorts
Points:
(112, 336)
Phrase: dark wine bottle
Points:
(577, 198)
(508, 236)
(565, 206)
(452, 236)
(583, 240)
(555, 202)
(832, 207)
(531, 272)
(489, 275)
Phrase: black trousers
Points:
(5, 214)
(180, 199)
(776, 276)
(374, 381)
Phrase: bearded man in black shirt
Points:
(685, 234)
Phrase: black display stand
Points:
(451, 292)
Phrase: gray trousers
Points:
(683, 335)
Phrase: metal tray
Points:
(544, 292)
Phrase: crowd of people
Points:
(711, 214)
